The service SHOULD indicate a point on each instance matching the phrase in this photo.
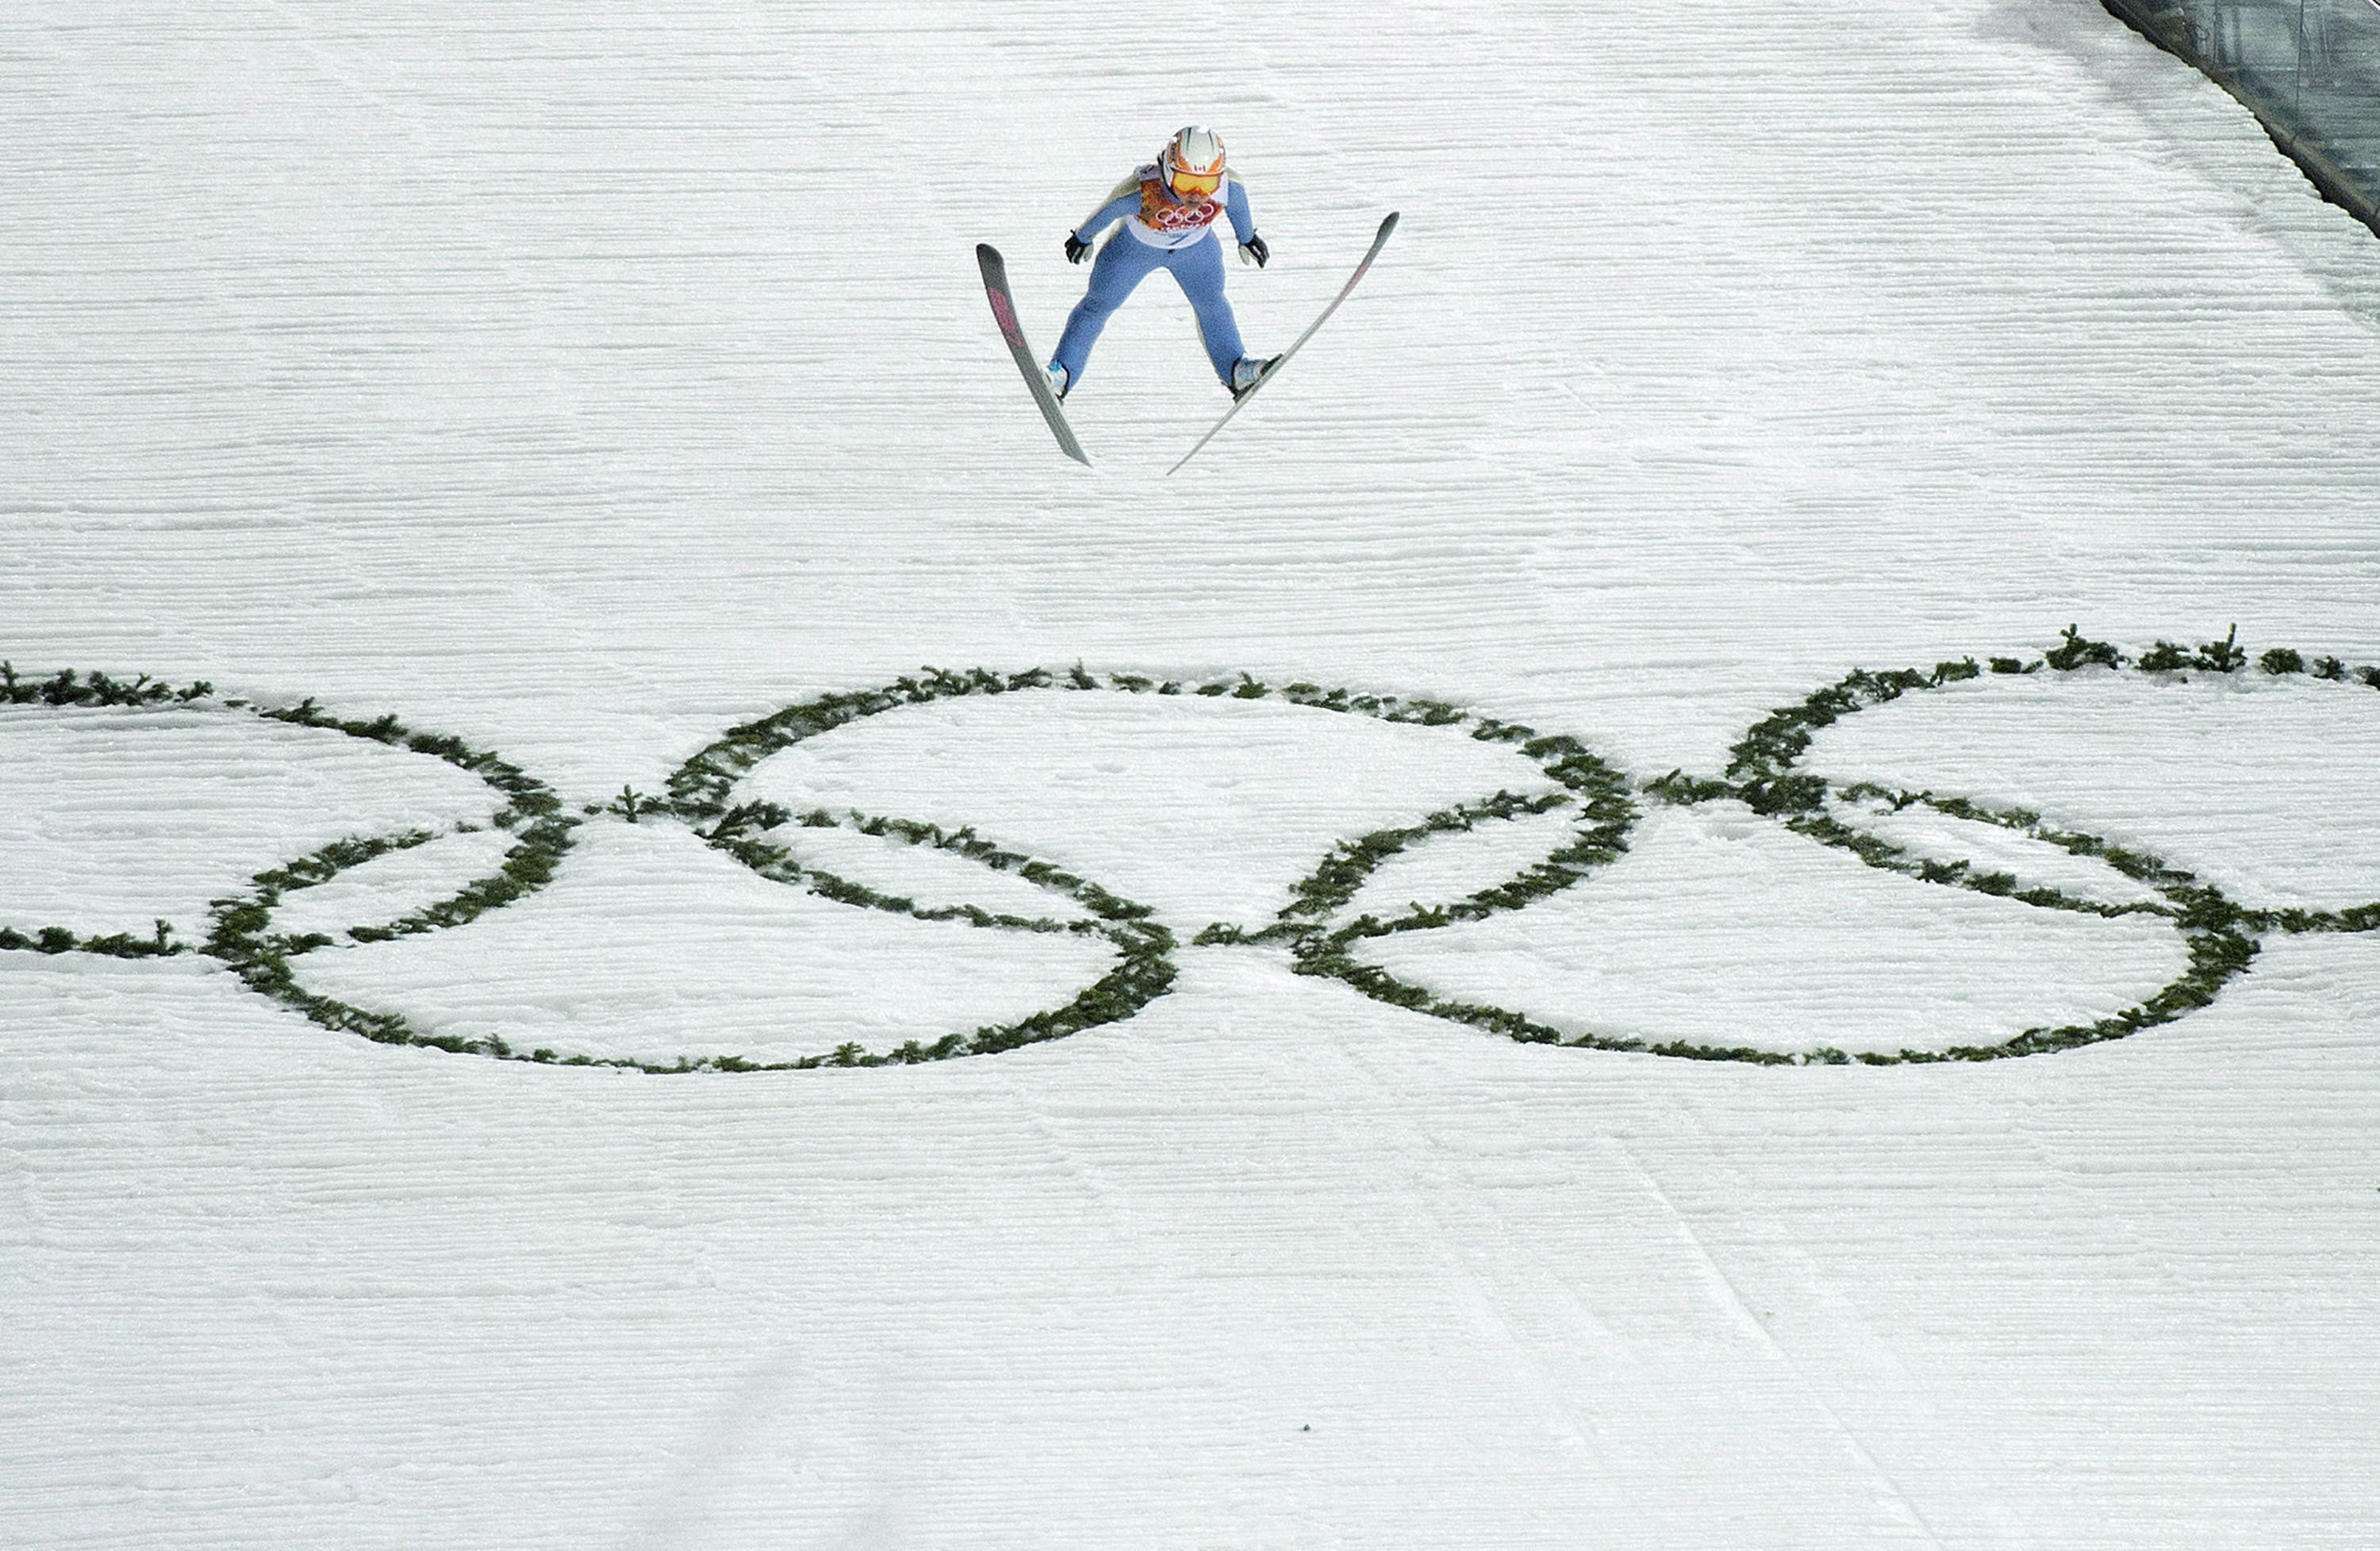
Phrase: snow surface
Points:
(582, 381)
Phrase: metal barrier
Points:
(2309, 70)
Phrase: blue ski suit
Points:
(1161, 230)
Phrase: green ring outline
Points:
(1145, 947)
(239, 935)
(2220, 936)
(701, 791)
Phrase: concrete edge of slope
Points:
(2300, 135)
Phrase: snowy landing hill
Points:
(694, 941)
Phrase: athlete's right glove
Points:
(1076, 248)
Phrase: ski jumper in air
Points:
(1169, 209)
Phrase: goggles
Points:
(1186, 182)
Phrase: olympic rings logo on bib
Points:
(1158, 211)
(1565, 825)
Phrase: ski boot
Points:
(1247, 372)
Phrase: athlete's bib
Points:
(1167, 221)
(1161, 213)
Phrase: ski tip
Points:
(1388, 223)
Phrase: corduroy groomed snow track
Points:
(1710, 885)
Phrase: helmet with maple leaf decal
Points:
(1193, 162)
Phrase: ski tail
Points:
(1003, 312)
(1379, 240)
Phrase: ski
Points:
(1003, 312)
(1379, 240)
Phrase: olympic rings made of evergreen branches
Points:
(1764, 774)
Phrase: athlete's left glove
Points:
(1076, 248)
(1257, 251)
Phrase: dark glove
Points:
(1257, 249)
(1076, 248)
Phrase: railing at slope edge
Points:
(2308, 69)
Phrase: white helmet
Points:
(1196, 156)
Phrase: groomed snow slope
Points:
(582, 381)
